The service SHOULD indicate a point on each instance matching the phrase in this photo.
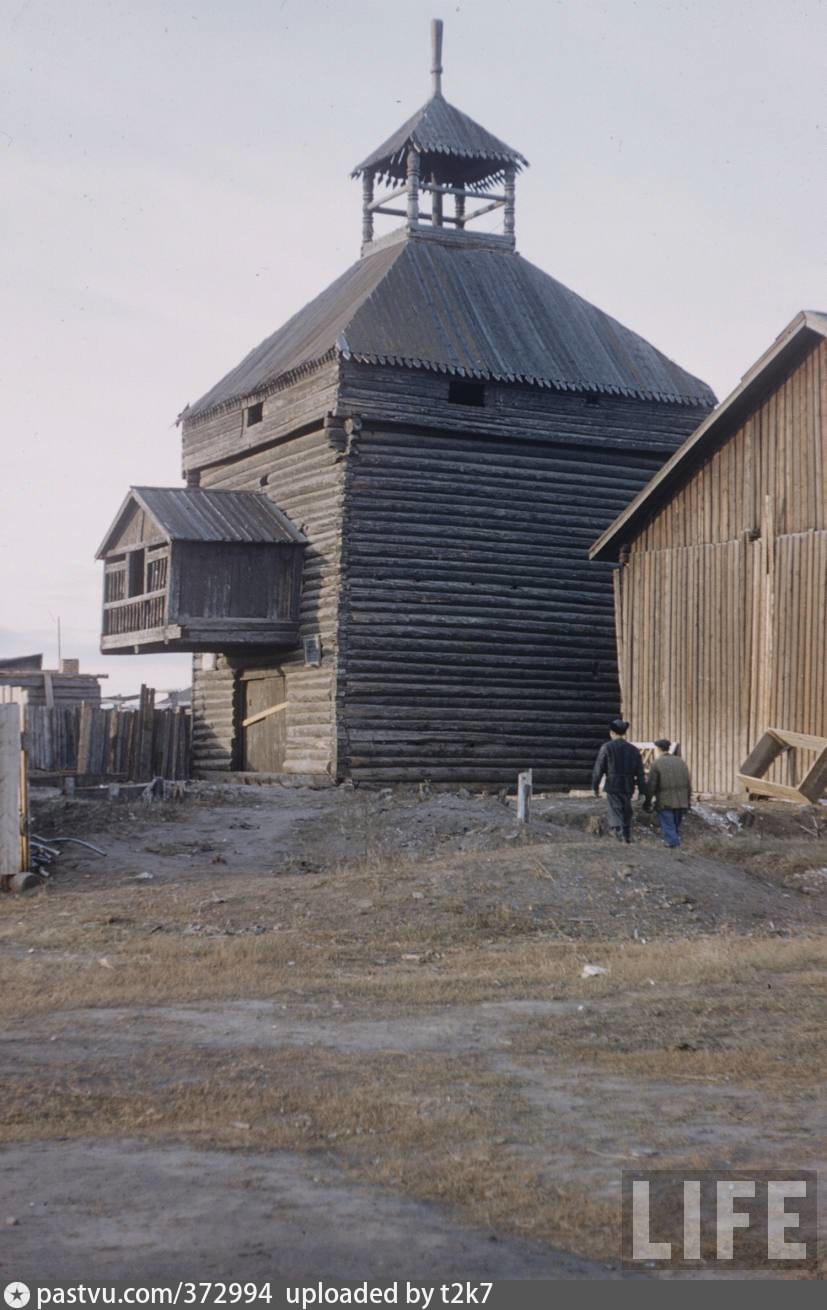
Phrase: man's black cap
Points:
(619, 725)
(663, 744)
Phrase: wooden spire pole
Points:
(436, 55)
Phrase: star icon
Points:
(17, 1295)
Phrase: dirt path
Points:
(155, 1214)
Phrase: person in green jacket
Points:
(670, 787)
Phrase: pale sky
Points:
(175, 185)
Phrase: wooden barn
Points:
(449, 428)
(721, 590)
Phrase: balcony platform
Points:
(201, 635)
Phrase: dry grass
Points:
(431, 1126)
(723, 1008)
(779, 860)
(344, 934)
(765, 1034)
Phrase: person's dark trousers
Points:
(620, 814)
(670, 826)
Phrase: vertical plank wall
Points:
(722, 605)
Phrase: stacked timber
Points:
(464, 633)
(476, 637)
(214, 693)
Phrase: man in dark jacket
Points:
(622, 766)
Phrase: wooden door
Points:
(264, 741)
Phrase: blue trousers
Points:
(670, 826)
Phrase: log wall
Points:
(224, 435)
(530, 414)
(305, 477)
(464, 633)
(476, 638)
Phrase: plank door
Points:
(264, 743)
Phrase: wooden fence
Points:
(133, 746)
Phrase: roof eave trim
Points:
(669, 477)
(549, 383)
(376, 163)
(277, 383)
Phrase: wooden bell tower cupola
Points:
(440, 172)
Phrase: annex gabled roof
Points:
(194, 514)
(805, 330)
(450, 144)
(471, 312)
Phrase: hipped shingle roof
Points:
(451, 144)
(468, 312)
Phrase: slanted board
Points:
(265, 714)
(778, 790)
(766, 750)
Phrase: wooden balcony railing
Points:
(137, 614)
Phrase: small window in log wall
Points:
(255, 413)
(466, 393)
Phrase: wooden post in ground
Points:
(524, 782)
(10, 843)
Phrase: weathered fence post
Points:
(524, 784)
(10, 799)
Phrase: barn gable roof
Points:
(471, 312)
(439, 130)
(805, 330)
(194, 514)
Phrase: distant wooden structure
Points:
(24, 681)
(721, 614)
(449, 428)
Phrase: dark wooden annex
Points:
(186, 570)
(450, 428)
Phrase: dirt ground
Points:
(267, 1006)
